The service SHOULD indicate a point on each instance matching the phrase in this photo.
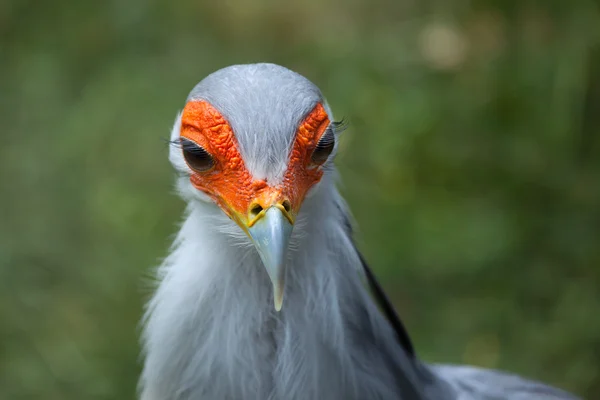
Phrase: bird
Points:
(264, 294)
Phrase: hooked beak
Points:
(270, 232)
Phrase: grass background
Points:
(472, 165)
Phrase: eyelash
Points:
(339, 126)
(326, 143)
(196, 156)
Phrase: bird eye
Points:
(324, 147)
(195, 156)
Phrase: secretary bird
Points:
(264, 295)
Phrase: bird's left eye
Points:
(195, 156)
(324, 147)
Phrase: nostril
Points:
(286, 205)
(255, 210)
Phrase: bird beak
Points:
(270, 232)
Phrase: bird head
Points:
(255, 140)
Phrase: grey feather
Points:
(477, 383)
(210, 331)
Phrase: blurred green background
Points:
(472, 165)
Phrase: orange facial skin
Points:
(231, 185)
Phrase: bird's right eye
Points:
(196, 157)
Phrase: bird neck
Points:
(211, 330)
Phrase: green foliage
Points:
(472, 165)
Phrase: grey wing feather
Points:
(379, 295)
(459, 382)
(473, 383)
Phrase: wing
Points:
(468, 383)
(387, 308)
(379, 295)
(473, 383)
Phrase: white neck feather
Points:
(211, 331)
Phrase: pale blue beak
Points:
(271, 236)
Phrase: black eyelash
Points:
(324, 146)
(175, 143)
(196, 157)
(340, 126)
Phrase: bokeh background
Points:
(471, 162)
